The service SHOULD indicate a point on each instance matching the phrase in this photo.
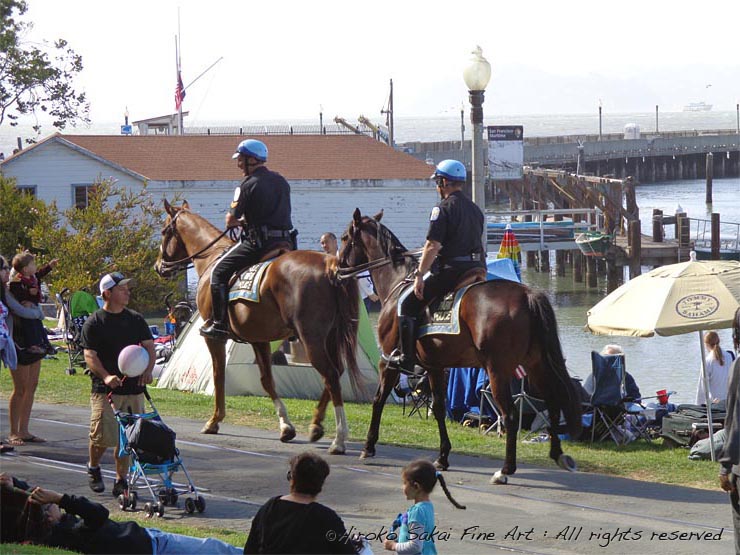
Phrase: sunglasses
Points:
(440, 181)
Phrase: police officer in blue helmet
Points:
(453, 247)
(261, 206)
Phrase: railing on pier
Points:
(544, 231)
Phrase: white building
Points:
(330, 175)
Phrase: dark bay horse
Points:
(299, 297)
(503, 324)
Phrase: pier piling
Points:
(715, 236)
(709, 174)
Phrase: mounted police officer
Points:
(453, 246)
(262, 201)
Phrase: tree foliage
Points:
(116, 232)
(19, 213)
(34, 79)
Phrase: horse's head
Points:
(367, 239)
(172, 253)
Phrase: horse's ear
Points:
(167, 207)
(185, 205)
(378, 216)
(357, 216)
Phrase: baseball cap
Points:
(109, 281)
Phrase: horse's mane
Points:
(389, 244)
(203, 223)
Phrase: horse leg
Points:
(218, 361)
(322, 362)
(262, 354)
(502, 394)
(564, 461)
(388, 379)
(439, 398)
(316, 429)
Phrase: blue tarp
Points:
(501, 268)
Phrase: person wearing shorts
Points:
(104, 335)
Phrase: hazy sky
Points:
(284, 59)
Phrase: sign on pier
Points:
(505, 151)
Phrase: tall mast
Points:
(181, 130)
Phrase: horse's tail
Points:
(343, 333)
(545, 327)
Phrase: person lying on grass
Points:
(34, 515)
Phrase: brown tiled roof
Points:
(206, 158)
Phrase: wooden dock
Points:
(652, 253)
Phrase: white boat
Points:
(697, 107)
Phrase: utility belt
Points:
(472, 257)
(259, 235)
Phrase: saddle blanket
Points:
(444, 316)
(247, 284)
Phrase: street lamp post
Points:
(476, 76)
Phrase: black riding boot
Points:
(407, 360)
(219, 328)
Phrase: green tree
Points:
(118, 231)
(19, 213)
(34, 80)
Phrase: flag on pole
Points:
(510, 249)
(179, 92)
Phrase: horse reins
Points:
(177, 264)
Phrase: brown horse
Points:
(299, 297)
(503, 324)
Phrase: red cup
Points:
(662, 396)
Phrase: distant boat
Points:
(697, 107)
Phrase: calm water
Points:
(655, 362)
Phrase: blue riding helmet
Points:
(450, 169)
(252, 147)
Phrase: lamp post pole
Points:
(476, 76)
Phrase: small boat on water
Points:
(705, 253)
(593, 243)
(697, 107)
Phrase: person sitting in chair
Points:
(263, 201)
(453, 246)
(631, 390)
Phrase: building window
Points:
(27, 190)
(82, 195)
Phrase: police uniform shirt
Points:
(263, 198)
(457, 223)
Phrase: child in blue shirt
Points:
(415, 528)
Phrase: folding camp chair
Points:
(530, 407)
(489, 406)
(612, 413)
(416, 391)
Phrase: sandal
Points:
(16, 441)
(33, 439)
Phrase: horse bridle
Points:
(183, 263)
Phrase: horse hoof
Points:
(287, 434)
(337, 450)
(210, 429)
(566, 462)
(439, 465)
(499, 478)
(316, 432)
(367, 454)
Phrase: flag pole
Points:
(179, 68)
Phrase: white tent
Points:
(189, 369)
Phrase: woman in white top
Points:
(718, 364)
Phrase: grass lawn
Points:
(638, 460)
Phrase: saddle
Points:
(244, 285)
(441, 313)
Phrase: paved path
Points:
(542, 510)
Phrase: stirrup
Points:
(395, 360)
(215, 331)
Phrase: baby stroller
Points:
(151, 445)
(76, 308)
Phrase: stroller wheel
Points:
(160, 509)
(70, 371)
(200, 504)
(123, 502)
(132, 499)
(163, 496)
(172, 499)
(189, 506)
(149, 509)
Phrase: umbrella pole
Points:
(706, 394)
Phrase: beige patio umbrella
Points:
(673, 300)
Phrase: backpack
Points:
(152, 440)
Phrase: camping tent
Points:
(189, 368)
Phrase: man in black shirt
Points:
(104, 336)
(262, 200)
(453, 246)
